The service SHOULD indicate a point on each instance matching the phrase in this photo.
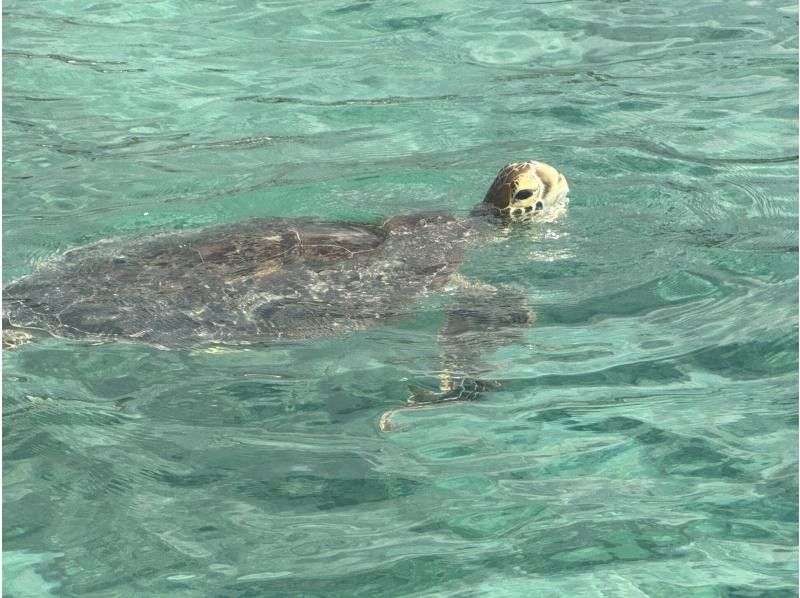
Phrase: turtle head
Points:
(528, 190)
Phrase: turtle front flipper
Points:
(481, 319)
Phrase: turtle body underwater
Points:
(268, 279)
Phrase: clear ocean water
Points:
(645, 441)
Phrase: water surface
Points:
(645, 442)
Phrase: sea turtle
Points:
(267, 279)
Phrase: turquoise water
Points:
(645, 441)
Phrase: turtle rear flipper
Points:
(13, 337)
(481, 319)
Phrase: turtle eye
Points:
(523, 194)
(539, 206)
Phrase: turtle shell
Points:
(259, 280)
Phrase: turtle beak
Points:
(529, 190)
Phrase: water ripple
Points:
(643, 439)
